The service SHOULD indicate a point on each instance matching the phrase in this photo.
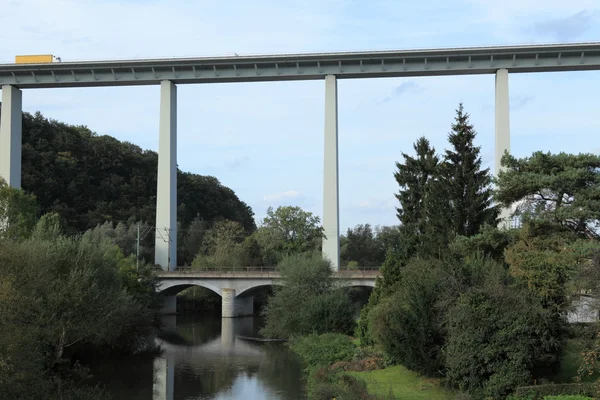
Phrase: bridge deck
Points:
(256, 274)
(288, 67)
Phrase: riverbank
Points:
(402, 383)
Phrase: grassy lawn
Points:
(405, 384)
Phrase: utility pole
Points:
(137, 249)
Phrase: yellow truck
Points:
(34, 59)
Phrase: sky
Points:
(264, 140)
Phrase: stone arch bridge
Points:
(236, 287)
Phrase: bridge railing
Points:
(224, 270)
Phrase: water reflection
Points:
(206, 359)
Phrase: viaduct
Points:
(329, 67)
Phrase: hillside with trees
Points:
(90, 179)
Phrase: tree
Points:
(414, 178)
(89, 179)
(496, 332)
(221, 246)
(296, 230)
(309, 300)
(61, 293)
(17, 212)
(362, 245)
(408, 322)
(464, 183)
(561, 188)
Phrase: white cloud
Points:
(288, 194)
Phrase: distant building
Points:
(585, 308)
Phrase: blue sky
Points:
(265, 140)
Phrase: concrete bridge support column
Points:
(232, 306)
(165, 253)
(502, 132)
(11, 126)
(331, 203)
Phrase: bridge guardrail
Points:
(225, 270)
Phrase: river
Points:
(204, 358)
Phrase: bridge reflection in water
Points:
(235, 367)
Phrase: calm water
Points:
(203, 358)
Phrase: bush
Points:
(566, 391)
(407, 324)
(308, 302)
(494, 336)
(326, 385)
(324, 349)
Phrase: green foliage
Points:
(296, 231)
(414, 178)
(495, 335)
(324, 384)
(364, 246)
(89, 179)
(323, 350)
(567, 397)
(562, 188)
(58, 294)
(308, 302)
(465, 185)
(407, 324)
(541, 392)
(18, 212)
(546, 257)
(491, 243)
(221, 247)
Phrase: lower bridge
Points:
(237, 286)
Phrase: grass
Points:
(405, 384)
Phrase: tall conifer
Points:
(466, 185)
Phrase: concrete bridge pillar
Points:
(11, 126)
(232, 306)
(331, 201)
(165, 253)
(502, 142)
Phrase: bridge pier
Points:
(169, 305)
(11, 127)
(165, 252)
(502, 133)
(331, 200)
(232, 306)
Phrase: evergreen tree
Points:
(414, 178)
(465, 184)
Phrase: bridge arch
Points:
(250, 289)
(171, 288)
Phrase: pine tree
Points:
(414, 178)
(466, 185)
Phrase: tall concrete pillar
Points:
(11, 125)
(502, 142)
(228, 303)
(331, 203)
(165, 253)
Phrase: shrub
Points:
(308, 302)
(407, 324)
(326, 385)
(323, 349)
(494, 338)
